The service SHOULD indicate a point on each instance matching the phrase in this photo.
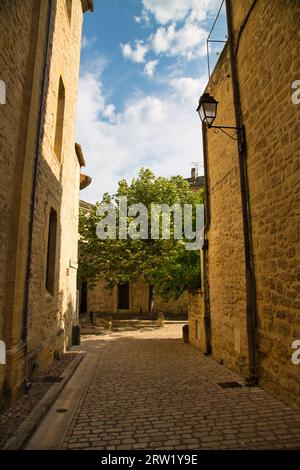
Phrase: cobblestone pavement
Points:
(151, 391)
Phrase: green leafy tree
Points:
(165, 264)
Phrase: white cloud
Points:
(146, 110)
(136, 53)
(95, 66)
(144, 18)
(187, 89)
(188, 41)
(150, 67)
(175, 10)
(88, 42)
(166, 10)
(159, 132)
(181, 32)
(109, 112)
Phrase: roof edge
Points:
(87, 5)
(85, 181)
(79, 154)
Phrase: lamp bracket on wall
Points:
(207, 110)
(221, 128)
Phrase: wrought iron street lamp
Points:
(207, 110)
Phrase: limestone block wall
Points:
(226, 265)
(21, 70)
(104, 300)
(268, 62)
(139, 297)
(100, 299)
(196, 320)
(176, 307)
(23, 33)
(52, 316)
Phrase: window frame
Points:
(51, 250)
(60, 120)
(69, 9)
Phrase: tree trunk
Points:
(151, 299)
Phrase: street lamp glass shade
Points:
(207, 109)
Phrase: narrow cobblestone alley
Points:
(149, 390)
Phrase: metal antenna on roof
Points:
(209, 40)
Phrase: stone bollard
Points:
(108, 323)
(185, 333)
(160, 320)
(76, 335)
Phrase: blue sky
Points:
(143, 68)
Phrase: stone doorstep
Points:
(100, 328)
(31, 423)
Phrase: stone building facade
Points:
(40, 182)
(131, 300)
(267, 62)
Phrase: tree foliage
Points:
(164, 264)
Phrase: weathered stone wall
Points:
(100, 299)
(268, 62)
(21, 70)
(52, 316)
(226, 265)
(173, 307)
(104, 300)
(196, 320)
(139, 297)
(23, 31)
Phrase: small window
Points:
(51, 252)
(123, 296)
(69, 8)
(60, 114)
